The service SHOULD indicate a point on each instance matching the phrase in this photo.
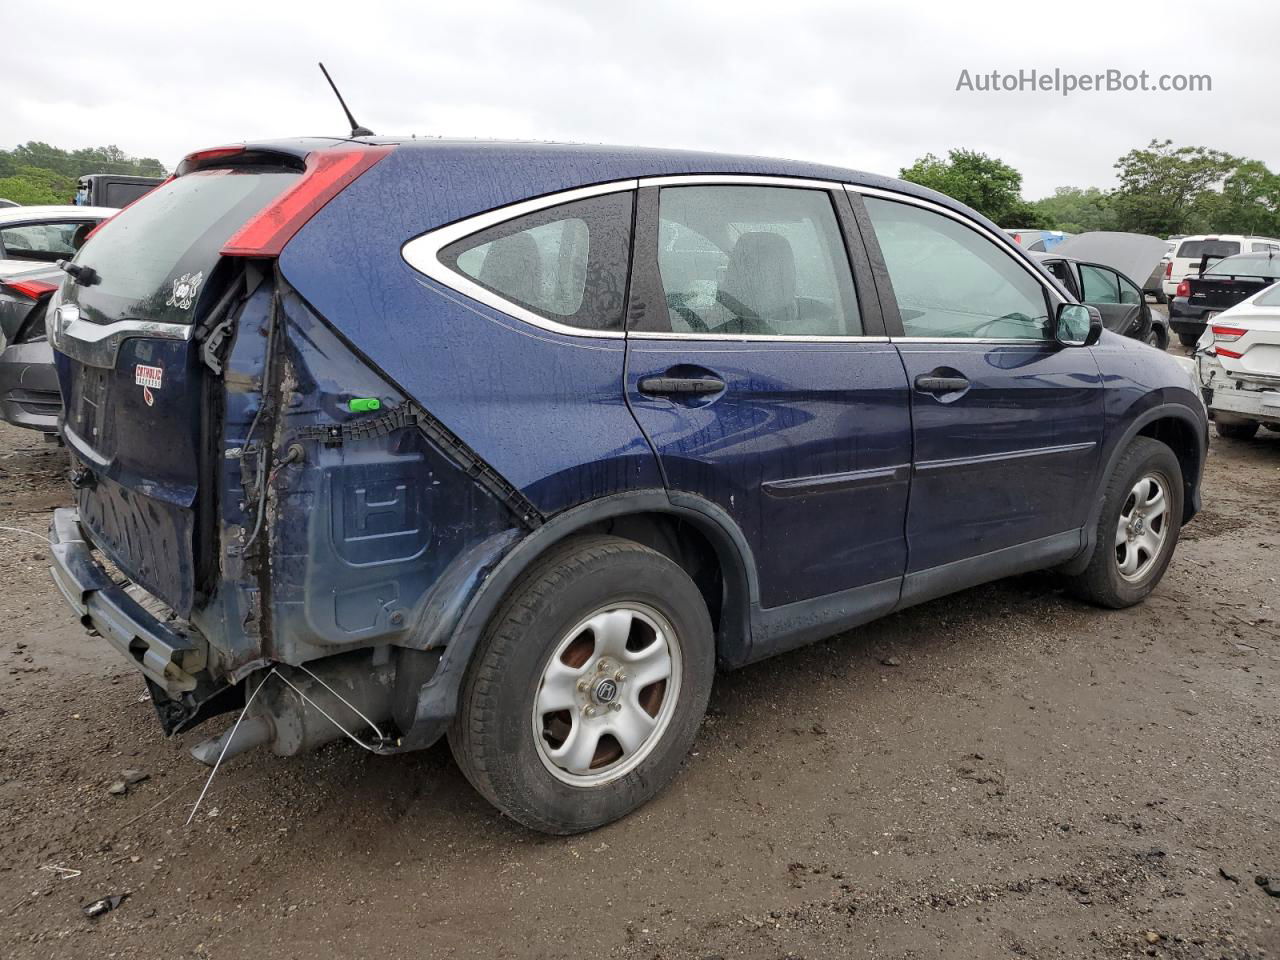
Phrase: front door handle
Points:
(681, 385)
(931, 384)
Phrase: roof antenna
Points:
(356, 129)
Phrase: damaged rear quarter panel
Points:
(372, 528)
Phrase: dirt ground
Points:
(1002, 773)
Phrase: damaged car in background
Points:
(1238, 358)
(1203, 295)
(1098, 268)
(32, 240)
(518, 443)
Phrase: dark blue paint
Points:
(790, 410)
(999, 474)
(838, 489)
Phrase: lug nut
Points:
(620, 676)
(584, 685)
(615, 706)
(588, 711)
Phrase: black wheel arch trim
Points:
(438, 698)
(1199, 427)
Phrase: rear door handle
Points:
(681, 385)
(929, 384)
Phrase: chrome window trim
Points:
(423, 254)
(1055, 297)
(748, 180)
(749, 337)
(739, 180)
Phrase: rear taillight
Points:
(1224, 334)
(1168, 270)
(1184, 289)
(328, 173)
(204, 158)
(35, 289)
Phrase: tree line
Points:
(1163, 190)
(36, 172)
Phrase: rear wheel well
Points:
(678, 541)
(1179, 436)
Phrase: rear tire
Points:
(1234, 429)
(1188, 339)
(1137, 529)
(560, 725)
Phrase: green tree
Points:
(1160, 186)
(1249, 202)
(987, 184)
(77, 163)
(1077, 210)
(28, 185)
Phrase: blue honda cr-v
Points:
(520, 442)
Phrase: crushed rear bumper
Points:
(167, 657)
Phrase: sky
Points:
(870, 86)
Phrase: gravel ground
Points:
(1001, 773)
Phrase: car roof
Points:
(54, 213)
(534, 168)
(1227, 236)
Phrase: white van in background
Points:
(1186, 259)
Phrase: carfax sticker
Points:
(148, 378)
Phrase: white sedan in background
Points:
(1238, 361)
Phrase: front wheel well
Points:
(1179, 436)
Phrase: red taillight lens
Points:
(35, 289)
(203, 158)
(1168, 270)
(1227, 334)
(328, 173)
(1224, 352)
(1184, 289)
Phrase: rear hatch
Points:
(127, 328)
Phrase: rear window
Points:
(1195, 249)
(1266, 267)
(154, 258)
(1270, 298)
(123, 194)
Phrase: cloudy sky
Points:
(865, 85)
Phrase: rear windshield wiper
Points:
(85, 276)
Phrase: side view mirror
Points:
(1077, 325)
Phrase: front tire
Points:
(1137, 528)
(588, 687)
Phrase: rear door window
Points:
(1195, 249)
(756, 260)
(566, 263)
(154, 258)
